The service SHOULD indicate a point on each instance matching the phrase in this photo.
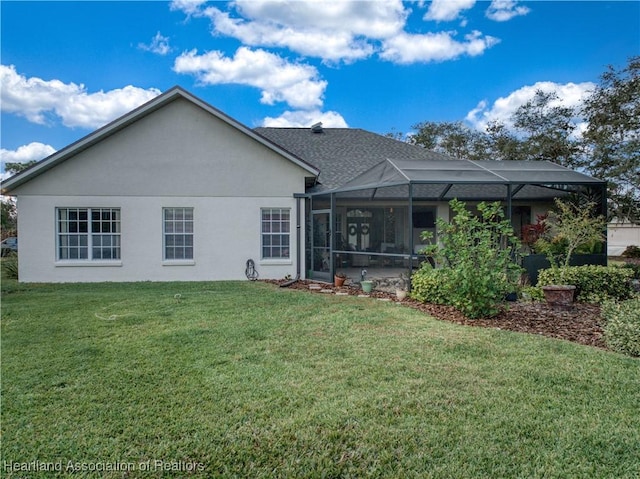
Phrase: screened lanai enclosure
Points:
(372, 226)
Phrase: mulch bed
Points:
(580, 325)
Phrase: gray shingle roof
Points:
(341, 154)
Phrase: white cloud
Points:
(92, 110)
(331, 47)
(333, 31)
(446, 10)
(280, 81)
(40, 101)
(504, 10)
(569, 95)
(190, 7)
(159, 45)
(25, 153)
(304, 119)
(344, 31)
(371, 19)
(34, 151)
(406, 48)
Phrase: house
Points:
(622, 234)
(176, 190)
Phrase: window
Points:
(178, 233)
(88, 234)
(275, 233)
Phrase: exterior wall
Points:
(177, 156)
(621, 235)
(179, 150)
(227, 232)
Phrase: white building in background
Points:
(620, 236)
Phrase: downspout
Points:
(298, 243)
(298, 238)
(332, 232)
(411, 246)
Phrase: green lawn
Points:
(249, 380)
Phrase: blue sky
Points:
(67, 68)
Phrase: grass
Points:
(248, 380)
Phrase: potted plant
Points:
(367, 285)
(339, 279)
(567, 228)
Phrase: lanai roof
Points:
(353, 159)
(466, 179)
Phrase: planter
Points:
(401, 294)
(367, 286)
(511, 297)
(339, 280)
(559, 296)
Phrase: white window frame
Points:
(183, 226)
(97, 229)
(272, 229)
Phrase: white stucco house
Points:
(176, 190)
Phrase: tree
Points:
(453, 139)
(7, 216)
(502, 143)
(476, 255)
(573, 225)
(612, 138)
(547, 128)
(14, 167)
(543, 130)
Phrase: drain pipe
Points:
(298, 244)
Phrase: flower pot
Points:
(401, 294)
(339, 280)
(367, 286)
(511, 297)
(559, 296)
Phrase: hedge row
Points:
(594, 284)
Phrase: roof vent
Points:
(316, 127)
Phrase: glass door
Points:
(321, 245)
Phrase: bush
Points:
(532, 293)
(476, 262)
(635, 267)
(10, 266)
(594, 284)
(632, 252)
(572, 228)
(622, 329)
(430, 285)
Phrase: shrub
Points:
(572, 228)
(635, 267)
(476, 261)
(631, 252)
(10, 266)
(594, 284)
(622, 328)
(431, 285)
(533, 293)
